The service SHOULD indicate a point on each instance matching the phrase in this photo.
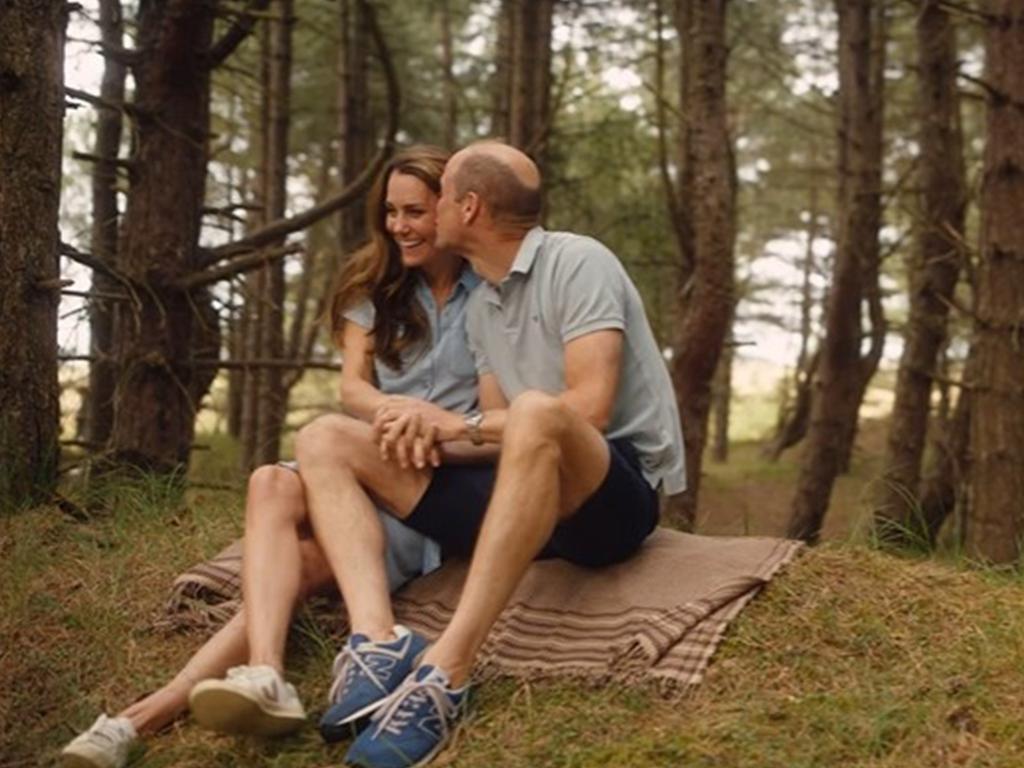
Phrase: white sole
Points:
(228, 710)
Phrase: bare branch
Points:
(235, 35)
(236, 267)
(283, 227)
(323, 365)
(90, 158)
(100, 103)
(90, 261)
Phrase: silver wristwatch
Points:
(473, 421)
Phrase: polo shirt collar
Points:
(528, 251)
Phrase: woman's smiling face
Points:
(410, 218)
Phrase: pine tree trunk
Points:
(933, 275)
(707, 311)
(272, 395)
(31, 129)
(501, 82)
(842, 373)
(99, 404)
(944, 485)
(450, 84)
(530, 81)
(355, 123)
(794, 414)
(721, 402)
(996, 518)
(159, 388)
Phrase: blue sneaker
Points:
(414, 724)
(365, 673)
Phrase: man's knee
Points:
(275, 491)
(336, 440)
(536, 418)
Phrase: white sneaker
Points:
(105, 745)
(250, 700)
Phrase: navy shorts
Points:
(608, 528)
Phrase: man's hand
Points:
(409, 431)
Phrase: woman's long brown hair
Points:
(375, 272)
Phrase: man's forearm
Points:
(492, 427)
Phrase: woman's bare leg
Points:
(225, 649)
(275, 513)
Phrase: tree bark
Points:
(707, 310)
(31, 130)
(450, 84)
(99, 404)
(530, 80)
(995, 521)
(355, 123)
(501, 81)
(933, 274)
(159, 388)
(721, 401)
(944, 486)
(842, 372)
(272, 396)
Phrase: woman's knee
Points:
(275, 492)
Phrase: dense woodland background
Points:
(849, 176)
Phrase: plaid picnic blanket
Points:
(656, 618)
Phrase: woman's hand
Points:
(410, 431)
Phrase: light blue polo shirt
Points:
(441, 370)
(562, 286)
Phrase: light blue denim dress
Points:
(442, 371)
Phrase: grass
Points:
(851, 657)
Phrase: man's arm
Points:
(592, 364)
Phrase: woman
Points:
(397, 316)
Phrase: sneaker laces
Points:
(407, 700)
(350, 661)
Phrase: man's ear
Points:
(470, 207)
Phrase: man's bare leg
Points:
(552, 460)
(341, 466)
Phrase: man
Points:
(575, 392)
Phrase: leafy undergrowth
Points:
(850, 658)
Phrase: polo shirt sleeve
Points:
(362, 314)
(475, 335)
(589, 291)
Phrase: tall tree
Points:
(355, 119)
(995, 520)
(842, 371)
(522, 82)
(933, 275)
(31, 130)
(158, 389)
(451, 85)
(707, 309)
(99, 403)
(268, 397)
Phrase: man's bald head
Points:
(506, 180)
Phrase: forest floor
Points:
(851, 657)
